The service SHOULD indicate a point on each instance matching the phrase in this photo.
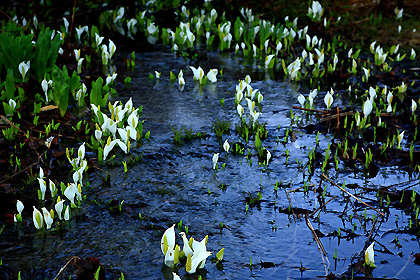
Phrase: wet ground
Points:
(173, 183)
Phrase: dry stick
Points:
(30, 166)
(319, 244)
(102, 170)
(357, 216)
(311, 110)
(72, 21)
(358, 199)
(320, 207)
(336, 116)
(64, 267)
(12, 124)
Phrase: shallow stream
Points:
(174, 183)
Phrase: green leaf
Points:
(219, 255)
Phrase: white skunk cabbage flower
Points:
(38, 219)
(226, 146)
(369, 256)
(211, 75)
(215, 159)
(367, 108)
(168, 240)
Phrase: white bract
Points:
(398, 12)
(168, 239)
(301, 100)
(66, 24)
(413, 54)
(268, 156)
(268, 61)
(372, 93)
(67, 213)
(315, 11)
(294, 68)
(24, 68)
(53, 188)
(151, 28)
(328, 99)
(98, 39)
(19, 206)
(413, 106)
(71, 191)
(215, 159)
(47, 217)
(112, 49)
(59, 207)
(198, 73)
(12, 103)
(226, 146)
(260, 97)
(42, 187)
(367, 108)
(240, 110)
(369, 256)
(367, 72)
(400, 138)
(37, 218)
(211, 75)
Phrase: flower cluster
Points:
(195, 252)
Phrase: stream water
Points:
(174, 183)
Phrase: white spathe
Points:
(170, 238)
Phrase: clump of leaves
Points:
(221, 127)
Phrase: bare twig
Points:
(327, 118)
(358, 199)
(311, 110)
(319, 244)
(64, 267)
(320, 207)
